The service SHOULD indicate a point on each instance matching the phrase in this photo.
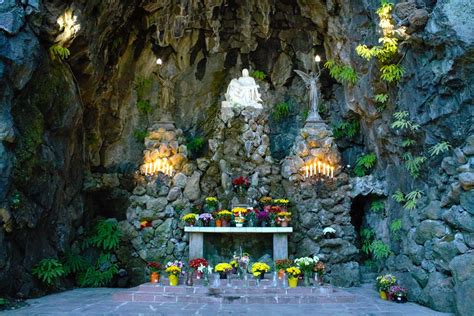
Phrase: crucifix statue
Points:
(311, 81)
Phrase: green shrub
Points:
(106, 235)
(48, 271)
(99, 274)
(391, 73)
(281, 111)
(257, 74)
(381, 98)
(366, 235)
(402, 123)
(395, 227)
(364, 163)
(439, 148)
(58, 52)
(408, 142)
(196, 144)
(377, 206)
(74, 263)
(341, 73)
(413, 164)
(140, 135)
(349, 129)
(144, 106)
(379, 250)
(410, 200)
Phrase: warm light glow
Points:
(159, 165)
(315, 167)
(69, 26)
(317, 58)
(159, 61)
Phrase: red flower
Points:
(241, 181)
(196, 263)
(154, 266)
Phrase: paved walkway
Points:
(99, 302)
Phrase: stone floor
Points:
(100, 302)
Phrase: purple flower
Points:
(206, 217)
(263, 215)
(398, 290)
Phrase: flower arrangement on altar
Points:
(197, 262)
(398, 293)
(205, 218)
(174, 269)
(281, 265)
(239, 211)
(259, 269)
(223, 268)
(241, 184)
(154, 266)
(384, 282)
(265, 200)
(319, 268)
(242, 261)
(293, 276)
(263, 217)
(211, 204)
(190, 219)
(281, 202)
(283, 218)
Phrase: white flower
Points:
(209, 269)
(201, 268)
(329, 230)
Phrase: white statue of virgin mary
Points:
(243, 92)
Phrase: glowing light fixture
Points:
(159, 165)
(317, 58)
(69, 26)
(159, 61)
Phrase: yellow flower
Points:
(284, 214)
(234, 264)
(173, 270)
(224, 212)
(260, 267)
(237, 210)
(256, 274)
(281, 201)
(293, 272)
(211, 199)
(266, 199)
(223, 267)
(190, 217)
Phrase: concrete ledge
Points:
(239, 230)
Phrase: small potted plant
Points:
(283, 218)
(281, 265)
(205, 218)
(329, 232)
(190, 219)
(319, 269)
(259, 269)
(251, 218)
(239, 216)
(174, 269)
(265, 201)
(154, 268)
(241, 185)
(282, 203)
(263, 217)
(225, 216)
(235, 265)
(195, 264)
(384, 282)
(306, 265)
(223, 269)
(398, 294)
(293, 276)
(211, 204)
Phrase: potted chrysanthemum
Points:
(190, 219)
(223, 269)
(259, 269)
(293, 276)
(174, 269)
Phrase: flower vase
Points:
(318, 278)
(257, 282)
(154, 277)
(218, 222)
(174, 280)
(263, 223)
(222, 275)
(307, 279)
(281, 274)
(199, 275)
(262, 276)
(292, 282)
(383, 295)
(189, 279)
(284, 224)
(239, 225)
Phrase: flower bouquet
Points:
(293, 275)
(241, 185)
(251, 218)
(383, 284)
(242, 263)
(259, 269)
(281, 265)
(174, 269)
(283, 218)
(223, 218)
(283, 203)
(223, 269)
(398, 294)
(264, 201)
(263, 217)
(205, 271)
(205, 218)
(190, 219)
(306, 265)
(319, 268)
(211, 204)
(196, 263)
(154, 268)
(239, 213)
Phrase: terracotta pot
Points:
(174, 280)
(292, 282)
(383, 295)
(281, 274)
(154, 277)
(218, 222)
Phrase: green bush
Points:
(99, 274)
(281, 111)
(48, 270)
(257, 74)
(364, 163)
(106, 235)
(58, 52)
(144, 106)
(391, 73)
(379, 250)
(439, 148)
(349, 129)
(341, 73)
(140, 135)
(377, 206)
(395, 227)
(413, 164)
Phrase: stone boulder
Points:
(462, 268)
(345, 274)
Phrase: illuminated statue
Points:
(311, 81)
(243, 92)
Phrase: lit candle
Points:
(171, 171)
(319, 166)
(314, 167)
(332, 172)
(310, 170)
(146, 169)
(159, 164)
(307, 171)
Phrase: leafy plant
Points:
(144, 106)
(379, 250)
(99, 274)
(411, 199)
(348, 129)
(398, 196)
(196, 144)
(439, 148)
(74, 262)
(59, 52)
(142, 86)
(341, 73)
(15, 201)
(395, 227)
(281, 111)
(408, 142)
(48, 270)
(377, 206)
(401, 121)
(367, 235)
(391, 73)
(107, 235)
(413, 164)
(140, 135)
(257, 74)
(381, 98)
(364, 163)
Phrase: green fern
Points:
(411, 199)
(379, 250)
(140, 135)
(398, 196)
(413, 164)
(281, 111)
(408, 142)
(349, 129)
(377, 206)
(366, 236)
(100, 274)
(381, 98)
(196, 144)
(439, 148)
(144, 106)
(402, 123)
(395, 227)
(107, 235)
(74, 262)
(48, 270)
(142, 86)
(59, 52)
(391, 73)
(364, 163)
(257, 74)
(341, 73)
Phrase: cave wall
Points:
(203, 46)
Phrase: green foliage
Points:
(348, 129)
(364, 163)
(366, 235)
(257, 74)
(48, 271)
(342, 73)
(377, 206)
(281, 111)
(142, 86)
(74, 262)
(144, 106)
(401, 122)
(379, 250)
(99, 274)
(381, 97)
(398, 196)
(439, 148)
(413, 164)
(15, 201)
(106, 235)
(305, 114)
(196, 144)
(395, 227)
(58, 52)
(3, 301)
(391, 73)
(140, 135)
(410, 200)
(408, 142)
